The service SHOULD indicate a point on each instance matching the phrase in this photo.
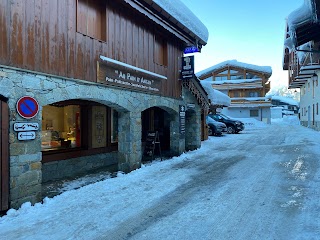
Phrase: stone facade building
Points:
(82, 84)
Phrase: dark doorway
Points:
(4, 154)
(157, 119)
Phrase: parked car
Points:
(215, 128)
(233, 125)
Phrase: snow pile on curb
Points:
(286, 120)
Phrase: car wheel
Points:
(231, 130)
(210, 131)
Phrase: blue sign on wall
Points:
(191, 49)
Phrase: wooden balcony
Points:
(302, 66)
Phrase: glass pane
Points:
(99, 126)
(251, 76)
(114, 126)
(236, 77)
(221, 78)
(60, 127)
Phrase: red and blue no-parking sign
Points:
(27, 107)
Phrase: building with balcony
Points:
(245, 84)
(302, 59)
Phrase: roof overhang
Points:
(303, 24)
(188, 34)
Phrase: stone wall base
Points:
(314, 125)
(74, 167)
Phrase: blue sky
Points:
(250, 31)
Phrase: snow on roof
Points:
(185, 16)
(216, 97)
(285, 100)
(301, 15)
(236, 81)
(132, 67)
(235, 63)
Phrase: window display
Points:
(60, 127)
(87, 126)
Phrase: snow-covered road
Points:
(263, 183)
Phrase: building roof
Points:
(175, 17)
(216, 97)
(303, 24)
(287, 100)
(234, 63)
(180, 12)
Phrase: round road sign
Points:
(27, 107)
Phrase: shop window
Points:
(254, 113)
(61, 127)
(84, 126)
(91, 18)
(160, 51)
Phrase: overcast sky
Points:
(249, 31)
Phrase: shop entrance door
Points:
(4, 156)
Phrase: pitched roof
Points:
(234, 63)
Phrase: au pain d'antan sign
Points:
(119, 76)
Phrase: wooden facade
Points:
(104, 73)
(251, 83)
(4, 156)
(66, 38)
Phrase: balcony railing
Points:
(297, 60)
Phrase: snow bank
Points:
(286, 120)
(252, 123)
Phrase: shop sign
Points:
(119, 76)
(182, 120)
(30, 135)
(187, 69)
(22, 127)
(191, 105)
(27, 107)
(191, 49)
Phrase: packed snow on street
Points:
(263, 183)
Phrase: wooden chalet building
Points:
(245, 84)
(302, 59)
(83, 83)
